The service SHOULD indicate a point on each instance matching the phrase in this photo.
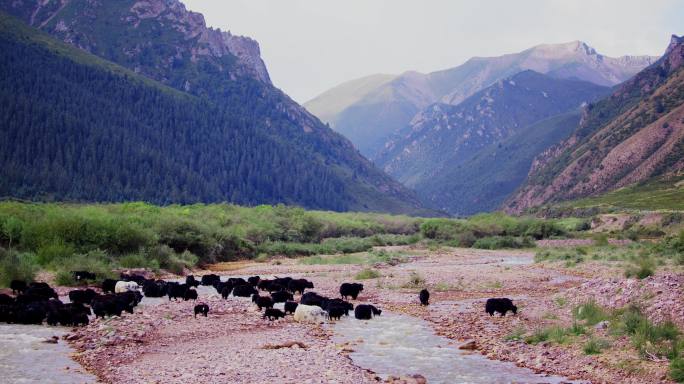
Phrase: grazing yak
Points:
(176, 290)
(201, 308)
(273, 314)
(210, 279)
(262, 301)
(6, 299)
(299, 285)
(290, 307)
(350, 289)
(153, 288)
(281, 296)
(108, 285)
(82, 296)
(424, 297)
(18, 286)
(501, 305)
(366, 311)
(335, 304)
(226, 290)
(126, 286)
(244, 291)
(309, 314)
(313, 298)
(190, 281)
(254, 281)
(83, 275)
(190, 294)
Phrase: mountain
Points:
(156, 106)
(483, 182)
(391, 105)
(635, 135)
(444, 137)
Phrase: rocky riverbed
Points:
(164, 343)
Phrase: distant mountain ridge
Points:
(380, 111)
(634, 135)
(223, 77)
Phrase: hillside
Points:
(207, 127)
(634, 135)
(483, 182)
(444, 138)
(379, 112)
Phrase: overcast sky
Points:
(312, 45)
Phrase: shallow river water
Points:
(26, 358)
(394, 344)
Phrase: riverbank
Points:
(164, 343)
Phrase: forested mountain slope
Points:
(193, 118)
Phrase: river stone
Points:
(602, 324)
(468, 345)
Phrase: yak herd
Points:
(35, 303)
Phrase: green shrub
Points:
(50, 252)
(516, 334)
(577, 329)
(96, 262)
(366, 274)
(137, 260)
(17, 266)
(594, 346)
(442, 229)
(601, 239)
(644, 268)
(500, 242)
(590, 312)
(677, 369)
(538, 336)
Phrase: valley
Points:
(170, 212)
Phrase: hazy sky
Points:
(312, 45)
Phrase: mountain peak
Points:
(675, 41)
(575, 47)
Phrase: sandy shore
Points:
(165, 344)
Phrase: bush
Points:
(643, 269)
(677, 369)
(594, 346)
(164, 257)
(50, 252)
(96, 262)
(442, 229)
(137, 260)
(17, 266)
(516, 334)
(366, 274)
(499, 242)
(415, 281)
(590, 312)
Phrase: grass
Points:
(657, 195)
(516, 334)
(366, 274)
(555, 334)
(642, 269)
(651, 340)
(594, 346)
(677, 369)
(591, 313)
(415, 280)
